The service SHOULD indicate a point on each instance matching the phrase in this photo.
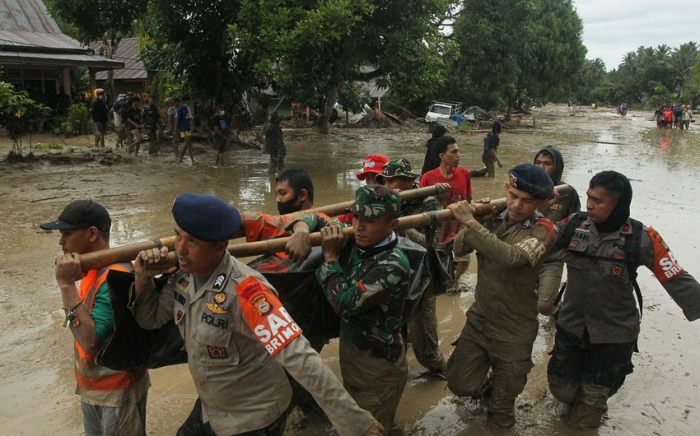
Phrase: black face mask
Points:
(288, 206)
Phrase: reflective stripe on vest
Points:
(89, 375)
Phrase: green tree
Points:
(99, 20)
(309, 49)
(509, 46)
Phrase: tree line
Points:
(649, 77)
(491, 53)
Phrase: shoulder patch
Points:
(666, 266)
(265, 315)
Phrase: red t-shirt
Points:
(460, 183)
(460, 189)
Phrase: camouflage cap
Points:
(373, 201)
(399, 168)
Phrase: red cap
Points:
(374, 163)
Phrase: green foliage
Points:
(46, 147)
(508, 46)
(93, 20)
(77, 122)
(647, 77)
(353, 97)
(18, 113)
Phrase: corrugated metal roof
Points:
(58, 60)
(127, 52)
(26, 15)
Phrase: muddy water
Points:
(36, 380)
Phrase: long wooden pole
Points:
(127, 253)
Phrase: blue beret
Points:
(206, 217)
(531, 179)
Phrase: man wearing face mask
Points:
(599, 320)
(98, 112)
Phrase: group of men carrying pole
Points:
(240, 339)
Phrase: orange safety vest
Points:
(91, 376)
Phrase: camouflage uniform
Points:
(151, 121)
(367, 288)
(423, 329)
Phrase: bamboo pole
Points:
(127, 253)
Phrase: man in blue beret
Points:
(502, 323)
(239, 338)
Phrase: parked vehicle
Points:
(441, 110)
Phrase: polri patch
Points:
(178, 317)
(616, 271)
(216, 352)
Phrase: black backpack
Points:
(632, 247)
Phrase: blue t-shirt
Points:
(221, 122)
(183, 122)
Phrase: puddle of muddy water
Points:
(660, 397)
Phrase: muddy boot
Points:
(589, 408)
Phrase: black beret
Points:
(206, 217)
(531, 179)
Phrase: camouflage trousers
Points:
(423, 334)
(468, 372)
(374, 383)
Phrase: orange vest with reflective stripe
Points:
(89, 375)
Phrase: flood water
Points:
(661, 397)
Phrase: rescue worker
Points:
(423, 329)
(460, 182)
(274, 144)
(502, 322)
(112, 402)
(238, 336)
(366, 283)
(598, 324)
(556, 209)
(372, 166)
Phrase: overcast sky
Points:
(612, 28)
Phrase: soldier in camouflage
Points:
(423, 329)
(366, 283)
(151, 124)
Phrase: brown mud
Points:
(36, 379)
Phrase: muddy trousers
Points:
(585, 375)
(468, 369)
(489, 170)
(277, 155)
(129, 419)
(194, 426)
(423, 334)
(374, 383)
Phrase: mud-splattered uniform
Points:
(367, 289)
(239, 341)
(599, 321)
(423, 329)
(502, 323)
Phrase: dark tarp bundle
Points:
(131, 348)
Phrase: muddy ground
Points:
(36, 380)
